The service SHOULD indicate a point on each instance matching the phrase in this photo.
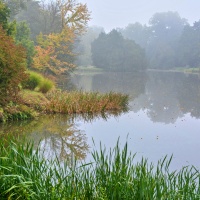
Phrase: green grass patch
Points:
(33, 81)
(38, 82)
(25, 174)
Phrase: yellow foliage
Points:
(55, 50)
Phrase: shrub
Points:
(12, 68)
(46, 85)
(33, 81)
(37, 82)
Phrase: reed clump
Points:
(25, 174)
(77, 102)
(33, 103)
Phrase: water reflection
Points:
(164, 96)
(57, 135)
(163, 120)
(124, 82)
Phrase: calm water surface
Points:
(164, 119)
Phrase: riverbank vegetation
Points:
(30, 63)
(33, 103)
(25, 174)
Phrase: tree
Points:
(19, 31)
(166, 29)
(9, 27)
(12, 68)
(138, 33)
(189, 46)
(113, 52)
(15, 6)
(83, 45)
(55, 50)
(23, 37)
(53, 53)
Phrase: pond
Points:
(164, 119)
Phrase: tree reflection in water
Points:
(56, 135)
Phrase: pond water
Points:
(164, 119)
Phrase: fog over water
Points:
(111, 14)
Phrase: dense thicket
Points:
(112, 52)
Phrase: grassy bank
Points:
(33, 103)
(24, 174)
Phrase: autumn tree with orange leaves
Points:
(12, 68)
(55, 49)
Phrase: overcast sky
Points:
(114, 13)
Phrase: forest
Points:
(56, 38)
(167, 42)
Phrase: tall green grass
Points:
(25, 174)
(37, 81)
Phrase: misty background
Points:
(128, 35)
(112, 14)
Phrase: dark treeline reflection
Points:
(124, 82)
(169, 96)
(164, 96)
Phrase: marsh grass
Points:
(77, 102)
(33, 103)
(25, 174)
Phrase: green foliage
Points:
(138, 33)
(38, 82)
(166, 30)
(15, 112)
(33, 81)
(189, 49)
(25, 174)
(23, 37)
(83, 46)
(167, 44)
(31, 12)
(15, 6)
(12, 68)
(46, 85)
(113, 52)
(9, 27)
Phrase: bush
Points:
(46, 85)
(37, 82)
(12, 68)
(34, 80)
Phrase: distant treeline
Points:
(167, 42)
